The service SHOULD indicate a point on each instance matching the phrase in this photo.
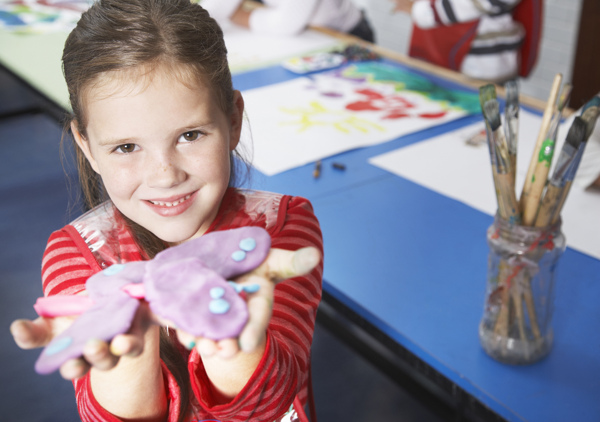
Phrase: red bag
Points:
(447, 46)
(444, 46)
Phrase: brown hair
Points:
(132, 38)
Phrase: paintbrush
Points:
(544, 160)
(508, 207)
(503, 173)
(558, 180)
(511, 122)
(589, 114)
(546, 118)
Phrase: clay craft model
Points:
(186, 284)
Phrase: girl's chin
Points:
(175, 236)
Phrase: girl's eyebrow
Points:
(116, 141)
(196, 125)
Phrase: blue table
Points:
(410, 265)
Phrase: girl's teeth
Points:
(171, 204)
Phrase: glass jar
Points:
(516, 324)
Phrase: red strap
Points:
(436, 15)
(530, 14)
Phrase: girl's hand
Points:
(279, 265)
(99, 354)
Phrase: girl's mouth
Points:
(171, 207)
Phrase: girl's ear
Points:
(237, 117)
(84, 146)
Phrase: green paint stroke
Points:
(404, 79)
(546, 152)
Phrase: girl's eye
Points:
(126, 148)
(190, 136)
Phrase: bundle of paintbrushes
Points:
(525, 239)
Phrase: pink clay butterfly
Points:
(186, 284)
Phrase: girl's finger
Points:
(282, 264)
(38, 333)
(127, 345)
(132, 343)
(74, 368)
(31, 334)
(227, 348)
(259, 309)
(97, 353)
(207, 347)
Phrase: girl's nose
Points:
(164, 172)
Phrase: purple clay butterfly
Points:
(186, 284)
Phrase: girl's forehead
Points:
(133, 81)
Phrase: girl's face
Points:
(162, 150)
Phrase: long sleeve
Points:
(221, 10)
(64, 268)
(287, 17)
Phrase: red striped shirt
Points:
(281, 375)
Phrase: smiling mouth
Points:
(171, 204)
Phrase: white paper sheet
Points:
(464, 173)
(248, 50)
(303, 120)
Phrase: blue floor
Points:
(35, 201)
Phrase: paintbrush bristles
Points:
(491, 111)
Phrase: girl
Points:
(156, 122)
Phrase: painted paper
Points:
(41, 16)
(303, 120)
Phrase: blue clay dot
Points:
(217, 292)
(235, 286)
(252, 288)
(114, 269)
(218, 306)
(58, 346)
(247, 244)
(238, 256)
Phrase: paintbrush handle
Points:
(546, 119)
(539, 178)
(548, 205)
(562, 197)
(508, 206)
(513, 168)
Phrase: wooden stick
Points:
(548, 205)
(518, 301)
(528, 296)
(529, 179)
(507, 197)
(501, 326)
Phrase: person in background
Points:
(479, 38)
(290, 17)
